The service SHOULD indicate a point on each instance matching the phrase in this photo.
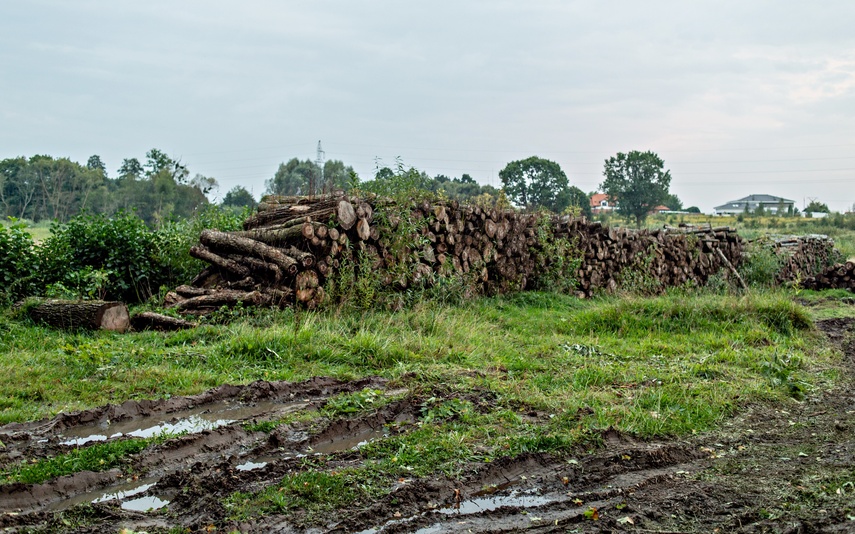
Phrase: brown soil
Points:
(766, 470)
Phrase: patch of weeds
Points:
(98, 457)
(310, 492)
(435, 410)
(779, 371)
(353, 403)
(638, 277)
(426, 450)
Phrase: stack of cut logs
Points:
(838, 276)
(802, 256)
(668, 257)
(290, 248)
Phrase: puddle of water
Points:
(118, 491)
(469, 506)
(205, 417)
(144, 504)
(346, 443)
(123, 494)
(249, 466)
(488, 504)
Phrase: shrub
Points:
(120, 249)
(18, 262)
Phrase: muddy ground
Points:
(767, 470)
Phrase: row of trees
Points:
(637, 180)
(44, 187)
(160, 188)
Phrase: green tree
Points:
(336, 176)
(131, 168)
(534, 183)
(817, 207)
(94, 163)
(293, 178)
(637, 181)
(673, 202)
(693, 209)
(239, 197)
(576, 199)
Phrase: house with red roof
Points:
(600, 202)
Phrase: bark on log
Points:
(225, 297)
(86, 314)
(250, 247)
(157, 321)
(201, 252)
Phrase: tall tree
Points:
(94, 163)
(293, 178)
(536, 182)
(336, 176)
(576, 200)
(131, 168)
(637, 181)
(238, 197)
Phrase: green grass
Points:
(98, 457)
(652, 367)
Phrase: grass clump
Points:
(313, 493)
(98, 457)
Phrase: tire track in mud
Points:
(214, 419)
(526, 492)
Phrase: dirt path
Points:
(766, 470)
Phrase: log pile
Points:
(667, 257)
(290, 249)
(838, 276)
(801, 256)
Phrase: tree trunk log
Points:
(157, 321)
(90, 315)
(249, 247)
(201, 252)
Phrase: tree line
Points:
(43, 187)
(160, 188)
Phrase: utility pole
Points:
(319, 161)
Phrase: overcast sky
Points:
(738, 97)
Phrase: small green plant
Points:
(434, 410)
(558, 259)
(760, 265)
(638, 276)
(351, 403)
(779, 371)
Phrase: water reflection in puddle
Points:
(119, 491)
(249, 466)
(468, 507)
(205, 417)
(346, 443)
(144, 504)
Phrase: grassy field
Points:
(649, 366)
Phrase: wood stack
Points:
(838, 276)
(802, 256)
(289, 250)
(668, 257)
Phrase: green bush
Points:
(121, 248)
(18, 262)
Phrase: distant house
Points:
(660, 209)
(600, 202)
(771, 204)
